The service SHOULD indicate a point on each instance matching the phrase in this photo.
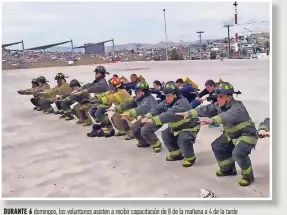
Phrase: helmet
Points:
(101, 70)
(116, 82)
(224, 88)
(42, 79)
(170, 88)
(35, 81)
(219, 82)
(60, 76)
(75, 83)
(142, 85)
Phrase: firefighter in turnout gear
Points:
(100, 88)
(239, 136)
(181, 134)
(30, 91)
(140, 105)
(118, 94)
(67, 100)
(49, 96)
(43, 85)
(38, 85)
(264, 128)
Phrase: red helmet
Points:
(116, 82)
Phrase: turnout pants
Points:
(93, 111)
(58, 105)
(182, 143)
(145, 133)
(46, 104)
(100, 116)
(35, 101)
(226, 153)
(121, 123)
(65, 105)
(81, 111)
(76, 111)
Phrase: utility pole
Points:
(200, 32)
(228, 26)
(235, 31)
(166, 51)
(114, 53)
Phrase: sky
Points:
(40, 23)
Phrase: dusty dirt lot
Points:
(46, 62)
(44, 156)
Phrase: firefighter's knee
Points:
(217, 146)
(33, 100)
(99, 112)
(214, 145)
(136, 128)
(93, 110)
(241, 150)
(41, 102)
(165, 133)
(146, 130)
(237, 153)
(63, 104)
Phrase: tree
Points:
(212, 55)
(267, 47)
(174, 55)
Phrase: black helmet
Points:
(75, 83)
(41, 79)
(170, 88)
(142, 85)
(224, 88)
(60, 76)
(101, 70)
(34, 81)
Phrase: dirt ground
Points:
(46, 62)
(44, 156)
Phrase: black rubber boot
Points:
(110, 133)
(39, 109)
(62, 116)
(94, 132)
(246, 180)
(231, 172)
(69, 116)
(141, 145)
(59, 112)
(174, 157)
(188, 163)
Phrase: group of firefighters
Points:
(175, 103)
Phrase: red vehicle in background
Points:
(118, 59)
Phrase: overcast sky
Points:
(44, 23)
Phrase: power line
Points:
(250, 23)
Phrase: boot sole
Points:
(245, 185)
(157, 150)
(233, 174)
(142, 146)
(69, 119)
(175, 159)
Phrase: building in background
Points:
(98, 48)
